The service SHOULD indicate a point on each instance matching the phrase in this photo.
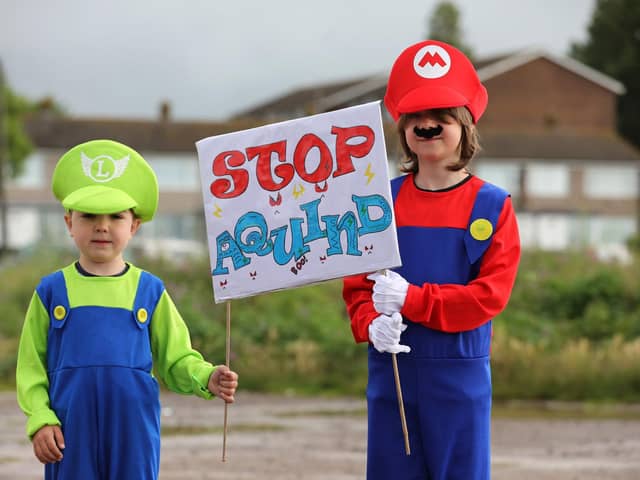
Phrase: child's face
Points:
(428, 142)
(101, 238)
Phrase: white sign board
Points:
(297, 202)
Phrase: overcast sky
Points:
(212, 58)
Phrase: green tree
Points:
(15, 144)
(444, 25)
(613, 47)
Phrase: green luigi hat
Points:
(103, 176)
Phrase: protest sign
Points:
(297, 202)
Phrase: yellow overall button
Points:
(142, 315)
(59, 312)
(481, 229)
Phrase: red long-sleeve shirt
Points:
(447, 307)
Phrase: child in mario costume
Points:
(95, 328)
(460, 249)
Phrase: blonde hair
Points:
(469, 140)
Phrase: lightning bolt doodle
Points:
(217, 211)
(369, 174)
(298, 190)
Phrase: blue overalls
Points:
(100, 385)
(446, 378)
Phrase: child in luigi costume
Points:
(95, 328)
(460, 248)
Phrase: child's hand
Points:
(385, 331)
(48, 443)
(223, 383)
(389, 291)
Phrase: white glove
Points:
(389, 291)
(384, 333)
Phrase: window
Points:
(504, 175)
(545, 231)
(619, 182)
(560, 231)
(24, 229)
(32, 175)
(176, 172)
(605, 230)
(184, 226)
(547, 180)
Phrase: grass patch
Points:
(191, 430)
(357, 412)
(565, 411)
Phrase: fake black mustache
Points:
(428, 132)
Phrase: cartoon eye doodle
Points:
(323, 259)
(323, 188)
(253, 275)
(368, 249)
(223, 284)
(274, 202)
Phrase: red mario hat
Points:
(433, 74)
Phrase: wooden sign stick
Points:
(403, 418)
(227, 357)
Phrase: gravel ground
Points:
(286, 438)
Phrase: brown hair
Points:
(469, 141)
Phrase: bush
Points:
(571, 330)
(564, 296)
(580, 370)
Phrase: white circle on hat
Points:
(98, 171)
(432, 61)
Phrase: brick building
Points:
(548, 136)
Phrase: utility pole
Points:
(4, 238)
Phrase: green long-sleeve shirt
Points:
(180, 367)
